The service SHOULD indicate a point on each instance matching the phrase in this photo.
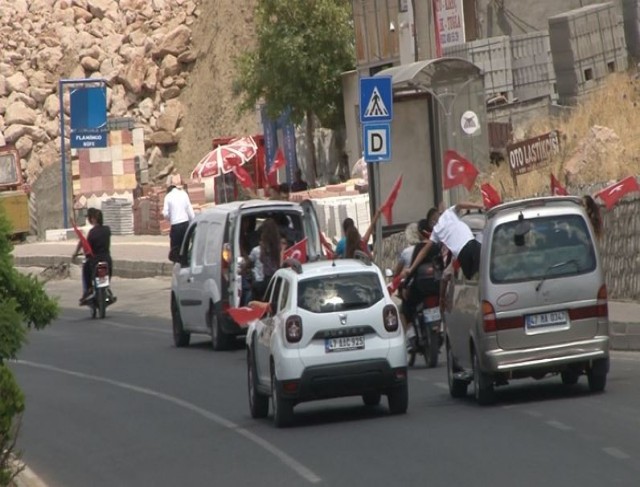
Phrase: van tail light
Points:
(390, 318)
(602, 304)
(293, 329)
(226, 254)
(489, 322)
(102, 270)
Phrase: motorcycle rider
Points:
(99, 238)
(425, 280)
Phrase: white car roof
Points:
(329, 267)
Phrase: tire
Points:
(181, 338)
(219, 339)
(282, 408)
(398, 399)
(371, 398)
(258, 403)
(569, 377)
(101, 302)
(457, 387)
(94, 310)
(597, 375)
(482, 384)
(432, 349)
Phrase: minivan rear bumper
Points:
(499, 360)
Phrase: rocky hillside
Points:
(166, 63)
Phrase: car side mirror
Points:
(388, 273)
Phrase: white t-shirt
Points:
(258, 268)
(405, 256)
(451, 231)
(177, 207)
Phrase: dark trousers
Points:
(469, 258)
(176, 235)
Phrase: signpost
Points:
(88, 123)
(376, 113)
(526, 155)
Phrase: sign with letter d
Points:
(377, 142)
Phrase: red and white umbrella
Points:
(225, 158)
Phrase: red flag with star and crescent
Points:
(613, 193)
(243, 177)
(490, 196)
(387, 206)
(458, 171)
(556, 188)
(246, 314)
(297, 251)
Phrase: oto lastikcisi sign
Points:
(529, 154)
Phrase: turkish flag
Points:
(327, 247)
(556, 188)
(244, 178)
(278, 162)
(246, 314)
(393, 286)
(458, 170)
(612, 194)
(490, 196)
(387, 206)
(297, 251)
(86, 246)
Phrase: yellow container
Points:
(16, 206)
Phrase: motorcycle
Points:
(427, 319)
(102, 295)
(429, 337)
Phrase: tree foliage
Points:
(302, 48)
(23, 303)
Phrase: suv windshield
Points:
(339, 292)
(553, 247)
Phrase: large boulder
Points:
(99, 8)
(600, 146)
(14, 132)
(24, 145)
(134, 74)
(174, 42)
(169, 66)
(163, 138)
(17, 82)
(90, 64)
(52, 105)
(170, 116)
(19, 113)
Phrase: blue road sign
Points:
(376, 99)
(376, 139)
(89, 108)
(88, 140)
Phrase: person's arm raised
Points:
(372, 226)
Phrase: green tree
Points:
(302, 48)
(23, 304)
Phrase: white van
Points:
(207, 279)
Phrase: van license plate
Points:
(431, 314)
(344, 344)
(543, 320)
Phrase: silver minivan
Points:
(537, 307)
(207, 280)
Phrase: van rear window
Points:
(340, 292)
(554, 247)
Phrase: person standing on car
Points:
(178, 210)
(265, 258)
(456, 235)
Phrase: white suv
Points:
(332, 331)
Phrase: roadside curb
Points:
(625, 336)
(127, 269)
(28, 478)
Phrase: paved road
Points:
(114, 403)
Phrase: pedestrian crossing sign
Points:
(376, 99)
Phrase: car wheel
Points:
(398, 399)
(569, 377)
(181, 338)
(457, 387)
(482, 384)
(597, 375)
(258, 403)
(219, 339)
(282, 408)
(371, 398)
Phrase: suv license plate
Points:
(343, 344)
(431, 314)
(544, 320)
